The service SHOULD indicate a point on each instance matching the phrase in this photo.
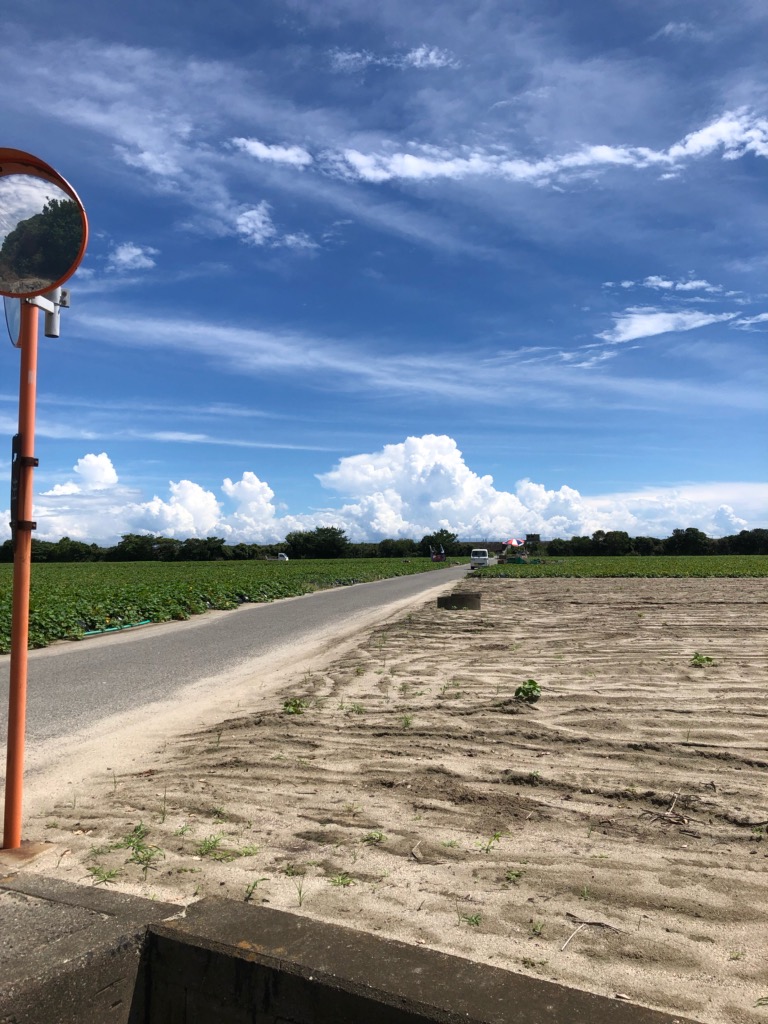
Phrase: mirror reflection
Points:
(13, 318)
(41, 233)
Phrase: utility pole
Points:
(37, 204)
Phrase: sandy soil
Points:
(611, 837)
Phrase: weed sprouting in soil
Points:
(295, 705)
(488, 844)
(102, 875)
(374, 838)
(528, 692)
(701, 660)
(210, 846)
(251, 888)
(343, 880)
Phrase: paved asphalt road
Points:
(72, 686)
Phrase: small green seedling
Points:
(537, 927)
(374, 838)
(299, 886)
(251, 888)
(134, 839)
(528, 692)
(406, 721)
(249, 850)
(209, 847)
(102, 875)
(513, 875)
(342, 880)
(488, 844)
(295, 705)
(701, 660)
(145, 857)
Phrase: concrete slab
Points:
(264, 966)
(70, 953)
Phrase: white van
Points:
(479, 558)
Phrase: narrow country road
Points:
(74, 686)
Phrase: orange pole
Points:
(22, 561)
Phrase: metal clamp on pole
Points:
(19, 461)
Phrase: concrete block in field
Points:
(455, 602)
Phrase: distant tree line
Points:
(332, 542)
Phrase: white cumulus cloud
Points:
(128, 256)
(407, 489)
(96, 473)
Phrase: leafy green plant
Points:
(374, 838)
(249, 850)
(102, 875)
(342, 880)
(356, 709)
(513, 875)
(135, 838)
(295, 705)
(528, 692)
(488, 844)
(145, 857)
(701, 660)
(406, 721)
(210, 846)
(537, 927)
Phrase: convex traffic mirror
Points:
(43, 227)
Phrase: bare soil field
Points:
(611, 836)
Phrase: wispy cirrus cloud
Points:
(295, 156)
(733, 135)
(749, 323)
(420, 57)
(643, 322)
(539, 376)
(682, 30)
(666, 284)
(256, 227)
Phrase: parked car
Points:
(479, 558)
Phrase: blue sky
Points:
(401, 266)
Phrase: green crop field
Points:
(70, 600)
(663, 566)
